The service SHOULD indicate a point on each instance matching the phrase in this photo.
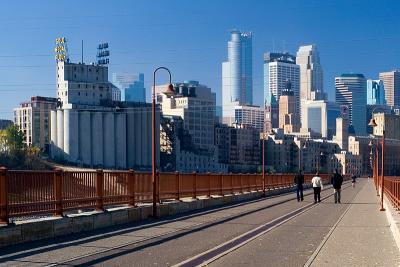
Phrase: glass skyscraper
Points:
(375, 92)
(237, 74)
(131, 86)
(351, 91)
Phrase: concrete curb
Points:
(51, 227)
(393, 218)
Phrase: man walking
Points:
(337, 181)
(299, 181)
(316, 182)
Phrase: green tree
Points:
(14, 140)
(13, 148)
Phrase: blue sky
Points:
(190, 38)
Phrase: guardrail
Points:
(392, 190)
(27, 193)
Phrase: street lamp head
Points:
(170, 90)
(372, 123)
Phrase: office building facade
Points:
(279, 69)
(388, 122)
(391, 82)
(311, 74)
(237, 75)
(375, 92)
(33, 119)
(131, 86)
(289, 119)
(319, 116)
(250, 116)
(194, 103)
(351, 92)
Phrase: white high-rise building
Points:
(311, 75)
(237, 75)
(279, 69)
(351, 91)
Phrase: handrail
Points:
(24, 193)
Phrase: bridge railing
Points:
(28, 193)
(392, 190)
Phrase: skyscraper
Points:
(288, 112)
(375, 92)
(131, 86)
(391, 82)
(311, 80)
(237, 75)
(279, 68)
(351, 92)
(319, 116)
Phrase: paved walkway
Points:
(275, 231)
(361, 237)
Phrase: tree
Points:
(13, 148)
(14, 140)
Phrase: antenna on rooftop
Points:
(82, 52)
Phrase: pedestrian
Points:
(353, 180)
(337, 181)
(299, 181)
(316, 182)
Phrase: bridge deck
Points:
(276, 231)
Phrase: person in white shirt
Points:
(316, 182)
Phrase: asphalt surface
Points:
(174, 240)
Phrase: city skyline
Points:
(139, 44)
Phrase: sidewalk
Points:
(361, 237)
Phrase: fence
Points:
(27, 193)
(392, 190)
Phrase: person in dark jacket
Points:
(337, 181)
(299, 181)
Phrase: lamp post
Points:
(263, 162)
(373, 157)
(263, 159)
(319, 159)
(372, 123)
(301, 147)
(170, 91)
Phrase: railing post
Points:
(3, 196)
(131, 187)
(194, 184)
(241, 185)
(158, 186)
(100, 189)
(231, 184)
(58, 192)
(178, 185)
(209, 184)
(222, 183)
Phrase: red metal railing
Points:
(392, 190)
(26, 193)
